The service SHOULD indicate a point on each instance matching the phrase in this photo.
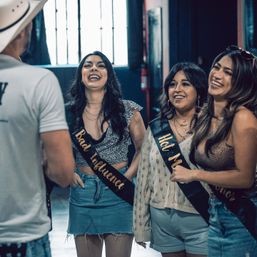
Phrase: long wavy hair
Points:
(242, 93)
(112, 106)
(196, 76)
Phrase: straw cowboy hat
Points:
(15, 15)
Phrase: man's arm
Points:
(60, 161)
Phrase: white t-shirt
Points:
(31, 102)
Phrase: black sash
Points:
(234, 199)
(172, 156)
(118, 183)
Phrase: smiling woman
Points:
(103, 126)
(220, 78)
(224, 147)
(94, 76)
(163, 212)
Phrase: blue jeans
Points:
(227, 235)
(36, 248)
(39, 247)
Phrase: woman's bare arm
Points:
(137, 132)
(244, 137)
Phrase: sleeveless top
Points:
(107, 146)
(221, 158)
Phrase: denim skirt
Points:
(227, 235)
(95, 209)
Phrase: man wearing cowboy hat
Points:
(31, 112)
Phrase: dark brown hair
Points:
(112, 106)
(242, 93)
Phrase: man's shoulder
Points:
(37, 70)
(37, 75)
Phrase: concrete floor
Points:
(63, 246)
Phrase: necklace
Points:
(183, 130)
(93, 125)
(92, 114)
(93, 117)
(182, 123)
(89, 118)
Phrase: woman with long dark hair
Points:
(163, 214)
(103, 126)
(224, 147)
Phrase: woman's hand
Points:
(77, 181)
(182, 175)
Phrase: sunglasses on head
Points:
(245, 54)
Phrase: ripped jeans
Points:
(96, 210)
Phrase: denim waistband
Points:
(82, 174)
(99, 185)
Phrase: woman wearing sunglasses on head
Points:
(224, 147)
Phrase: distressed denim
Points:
(96, 210)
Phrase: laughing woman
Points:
(225, 147)
(104, 126)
